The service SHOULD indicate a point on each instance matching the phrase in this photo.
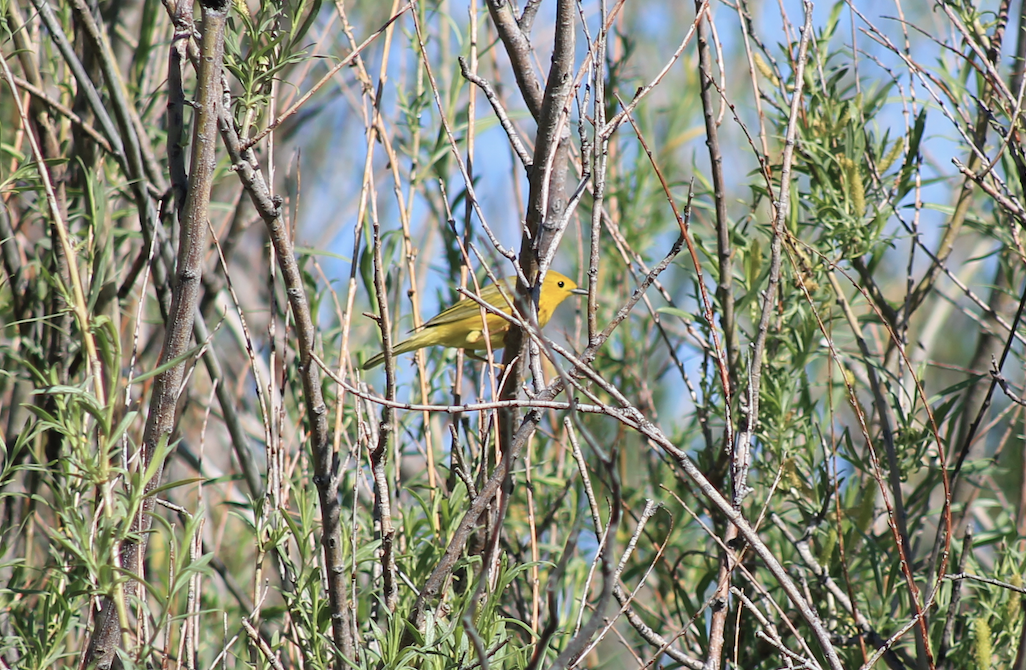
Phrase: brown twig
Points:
(67, 113)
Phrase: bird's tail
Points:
(411, 343)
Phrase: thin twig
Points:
(500, 112)
(298, 104)
(326, 474)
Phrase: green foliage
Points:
(873, 362)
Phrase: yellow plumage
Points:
(461, 326)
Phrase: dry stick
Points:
(631, 417)
(756, 91)
(262, 645)
(993, 50)
(621, 315)
(185, 297)
(900, 539)
(976, 394)
(884, 417)
(454, 550)
(457, 460)
(1008, 202)
(716, 350)
(241, 442)
(577, 645)
(325, 460)
(562, 60)
(995, 373)
(831, 453)
(547, 199)
(652, 637)
(454, 148)
(589, 493)
(989, 344)
(986, 309)
(789, 656)
(490, 554)
(625, 600)
(741, 450)
(553, 594)
(631, 258)
(964, 200)
(545, 208)
(410, 253)
(773, 637)
(967, 576)
(891, 641)
(346, 321)
(784, 617)
(378, 453)
(240, 439)
(181, 47)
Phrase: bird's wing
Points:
(467, 308)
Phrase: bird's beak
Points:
(580, 291)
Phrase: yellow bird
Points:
(460, 325)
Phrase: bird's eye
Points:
(562, 284)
